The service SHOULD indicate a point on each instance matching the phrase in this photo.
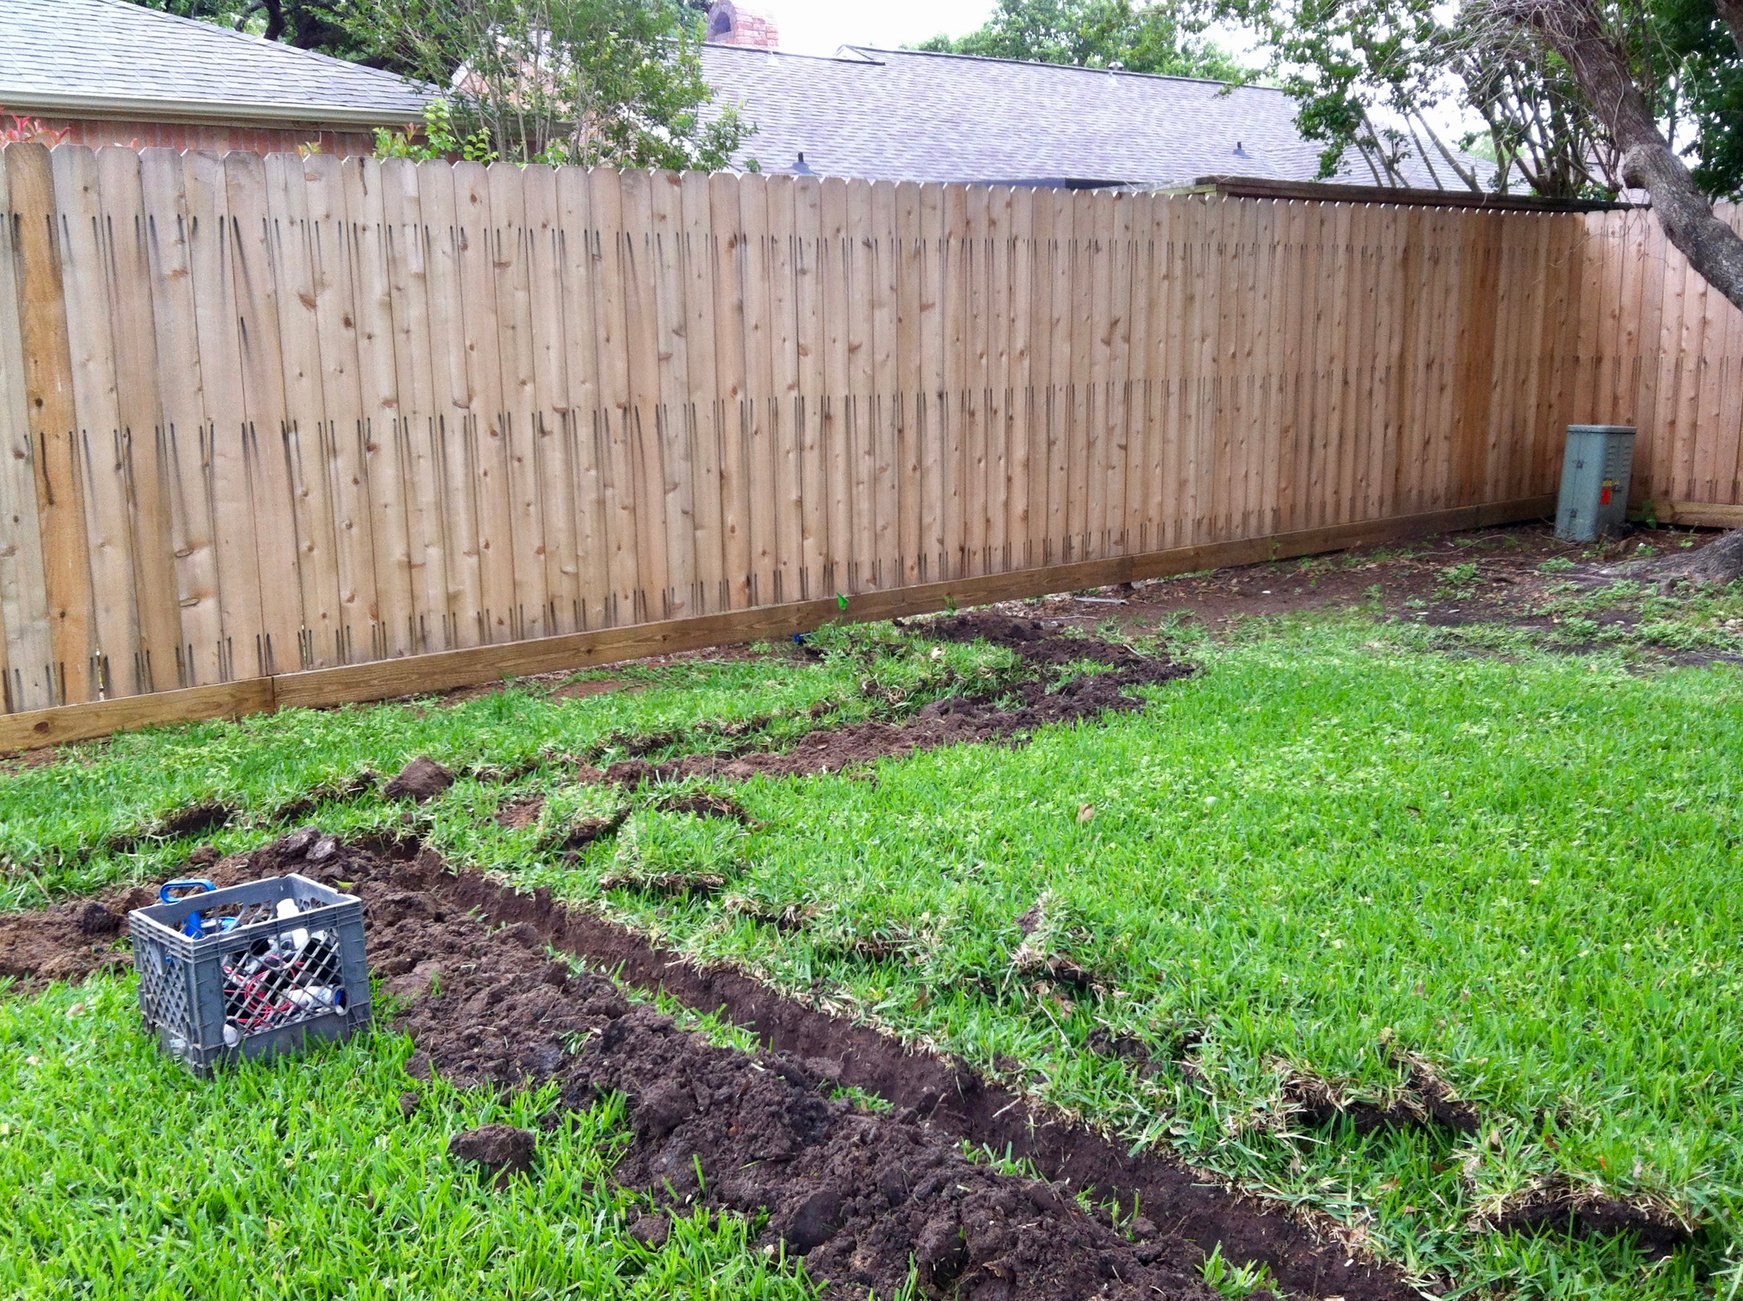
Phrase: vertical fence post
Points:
(48, 390)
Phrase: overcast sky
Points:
(818, 26)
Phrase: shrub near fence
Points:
(275, 425)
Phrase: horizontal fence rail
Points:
(265, 418)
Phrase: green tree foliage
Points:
(306, 24)
(1370, 73)
(1135, 36)
(1708, 69)
(616, 82)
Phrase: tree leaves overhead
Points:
(616, 82)
(1136, 37)
(1369, 73)
(306, 24)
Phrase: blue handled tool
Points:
(194, 927)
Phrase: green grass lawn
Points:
(1345, 840)
(124, 1177)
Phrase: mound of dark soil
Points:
(66, 942)
(421, 779)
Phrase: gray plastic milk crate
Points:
(1594, 482)
(240, 980)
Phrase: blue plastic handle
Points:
(195, 925)
(167, 891)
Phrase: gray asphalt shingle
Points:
(907, 115)
(101, 53)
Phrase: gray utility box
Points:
(1594, 482)
(251, 970)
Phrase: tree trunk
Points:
(1575, 30)
(1720, 561)
(1732, 12)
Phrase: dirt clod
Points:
(651, 1231)
(517, 815)
(421, 779)
(500, 1150)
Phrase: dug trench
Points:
(861, 1196)
(485, 944)
(1040, 690)
(1046, 691)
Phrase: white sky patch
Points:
(819, 26)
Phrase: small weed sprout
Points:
(1232, 1280)
(1458, 582)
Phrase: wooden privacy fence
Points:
(1663, 350)
(274, 425)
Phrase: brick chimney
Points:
(733, 24)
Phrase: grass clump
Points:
(303, 1177)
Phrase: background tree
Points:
(1600, 93)
(305, 24)
(1134, 36)
(1354, 63)
(617, 82)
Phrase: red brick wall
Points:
(216, 139)
(755, 31)
(742, 27)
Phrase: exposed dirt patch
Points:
(995, 716)
(195, 820)
(1562, 1207)
(518, 815)
(1042, 955)
(707, 804)
(591, 687)
(66, 942)
(421, 779)
(671, 885)
(1490, 576)
(1425, 1102)
(80, 937)
(586, 831)
(635, 745)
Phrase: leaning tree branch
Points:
(1575, 30)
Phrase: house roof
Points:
(913, 115)
(114, 59)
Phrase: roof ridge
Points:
(762, 52)
(1064, 67)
